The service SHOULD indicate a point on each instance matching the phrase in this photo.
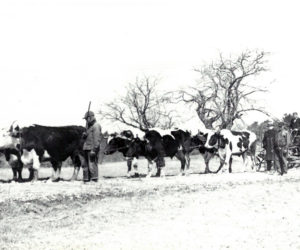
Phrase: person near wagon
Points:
(295, 122)
(91, 147)
(268, 145)
(295, 128)
(281, 143)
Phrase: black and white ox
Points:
(230, 143)
(156, 145)
(189, 143)
(38, 143)
(120, 143)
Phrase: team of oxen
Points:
(32, 145)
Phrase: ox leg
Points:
(181, 157)
(223, 158)
(129, 164)
(150, 165)
(16, 167)
(162, 172)
(135, 167)
(53, 174)
(188, 162)
(75, 173)
(245, 161)
(227, 157)
(77, 161)
(36, 166)
(160, 163)
(31, 173)
(230, 163)
(158, 172)
(253, 161)
(220, 167)
(57, 168)
(15, 173)
(35, 175)
(253, 155)
(207, 156)
(19, 170)
(54, 171)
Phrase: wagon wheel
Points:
(293, 156)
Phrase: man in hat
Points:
(281, 143)
(91, 147)
(295, 122)
(268, 145)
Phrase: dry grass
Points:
(236, 211)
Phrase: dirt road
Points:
(224, 211)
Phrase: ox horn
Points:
(11, 126)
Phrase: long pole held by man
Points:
(91, 147)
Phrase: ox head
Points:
(116, 142)
(209, 138)
(216, 139)
(15, 130)
(202, 136)
(127, 134)
(9, 138)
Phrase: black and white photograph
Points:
(149, 124)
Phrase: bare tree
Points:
(142, 107)
(224, 92)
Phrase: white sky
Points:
(56, 56)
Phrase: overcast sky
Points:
(56, 56)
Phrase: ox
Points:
(157, 145)
(38, 143)
(230, 143)
(190, 143)
(120, 143)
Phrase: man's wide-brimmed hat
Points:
(89, 114)
(270, 124)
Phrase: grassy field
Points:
(242, 210)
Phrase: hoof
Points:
(188, 172)
(136, 175)
(74, 178)
(207, 171)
